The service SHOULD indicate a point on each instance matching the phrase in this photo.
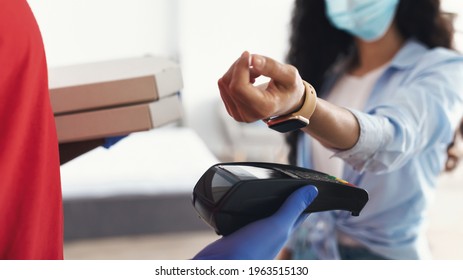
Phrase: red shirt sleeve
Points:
(31, 217)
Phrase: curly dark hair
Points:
(315, 45)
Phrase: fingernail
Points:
(246, 53)
(257, 61)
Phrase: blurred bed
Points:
(141, 185)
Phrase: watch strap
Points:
(304, 113)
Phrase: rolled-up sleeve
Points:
(420, 113)
(375, 133)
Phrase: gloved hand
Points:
(264, 238)
(110, 141)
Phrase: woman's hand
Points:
(245, 102)
(335, 127)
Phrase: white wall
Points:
(92, 30)
(213, 35)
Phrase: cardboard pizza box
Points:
(104, 84)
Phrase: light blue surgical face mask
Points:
(366, 19)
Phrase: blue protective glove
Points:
(264, 238)
(110, 141)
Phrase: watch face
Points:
(288, 125)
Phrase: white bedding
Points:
(161, 161)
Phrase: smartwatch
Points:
(298, 119)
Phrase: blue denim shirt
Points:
(405, 128)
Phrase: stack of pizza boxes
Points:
(114, 98)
